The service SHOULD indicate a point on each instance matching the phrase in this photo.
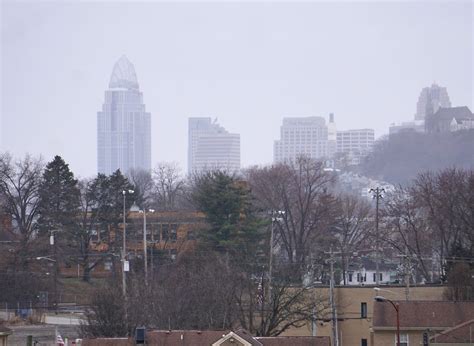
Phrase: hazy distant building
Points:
(450, 120)
(355, 143)
(210, 146)
(430, 100)
(407, 126)
(302, 136)
(123, 125)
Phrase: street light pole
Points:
(145, 243)
(270, 264)
(377, 194)
(396, 306)
(124, 248)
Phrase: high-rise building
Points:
(355, 143)
(302, 136)
(430, 100)
(123, 125)
(210, 146)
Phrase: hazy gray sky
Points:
(247, 63)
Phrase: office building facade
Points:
(302, 136)
(123, 125)
(355, 143)
(211, 147)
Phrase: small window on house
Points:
(381, 277)
(165, 232)
(350, 277)
(173, 236)
(375, 278)
(191, 235)
(358, 277)
(363, 310)
(365, 277)
(403, 339)
(363, 342)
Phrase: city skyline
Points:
(250, 65)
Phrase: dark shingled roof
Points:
(459, 113)
(207, 338)
(423, 314)
(108, 342)
(295, 341)
(4, 330)
(190, 337)
(459, 334)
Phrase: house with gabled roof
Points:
(416, 318)
(462, 334)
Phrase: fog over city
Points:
(248, 64)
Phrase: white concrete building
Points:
(355, 143)
(210, 146)
(302, 136)
(123, 125)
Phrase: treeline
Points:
(268, 233)
(399, 158)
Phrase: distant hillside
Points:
(400, 157)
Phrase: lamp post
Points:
(396, 306)
(145, 242)
(377, 194)
(124, 248)
(276, 216)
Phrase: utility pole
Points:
(377, 194)
(124, 245)
(335, 332)
(276, 216)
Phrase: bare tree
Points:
(143, 186)
(352, 227)
(408, 230)
(19, 185)
(168, 186)
(302, 190)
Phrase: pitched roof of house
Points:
(4, 330)
(108, 342)
(458, 334)
(422, 314)
(184, 337)
(295, 341)
(207, 338)
(459, 113)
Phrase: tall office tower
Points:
(303, 136)
(210, 146)
(123, 125)
(430, 100)
(355, 143)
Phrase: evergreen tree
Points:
(59, 196)
(234, 227)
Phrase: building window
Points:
(363, 342)
(358, 277)
(403, 339)
(363, 310)
(350, 277)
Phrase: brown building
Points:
(416, 318)
(210, 338)
(462, 334)
(355, 311)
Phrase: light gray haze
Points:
(247, 63)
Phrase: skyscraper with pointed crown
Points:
(123, 125)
